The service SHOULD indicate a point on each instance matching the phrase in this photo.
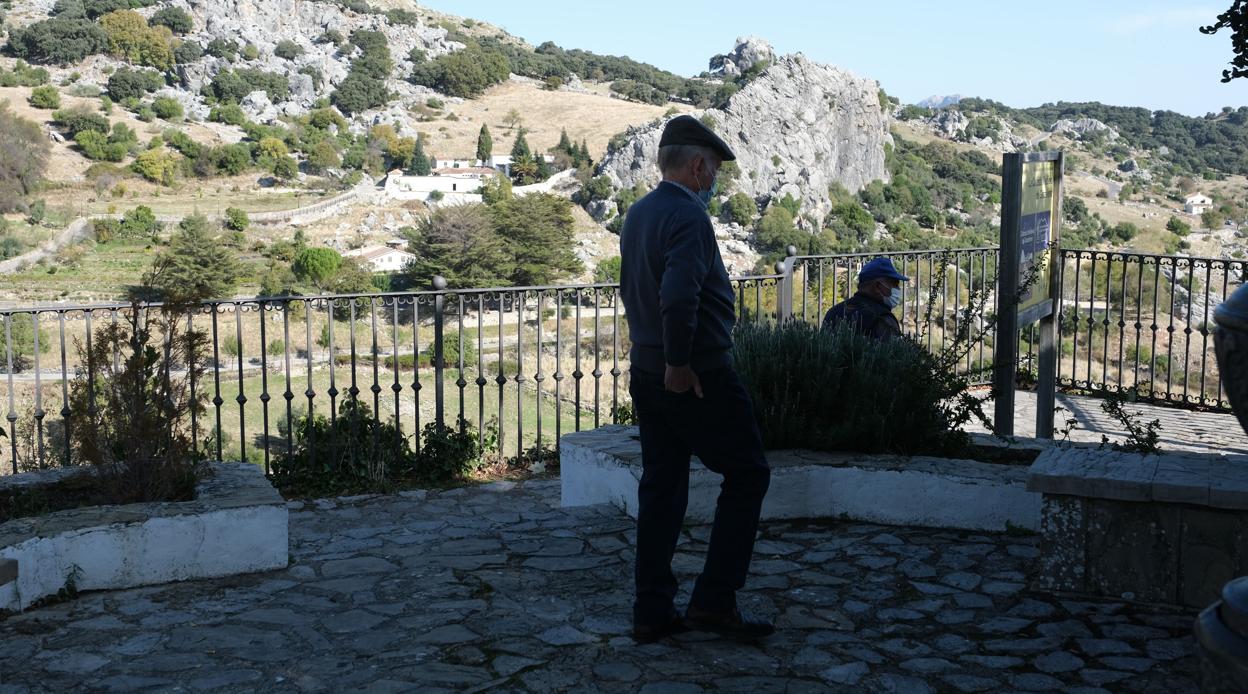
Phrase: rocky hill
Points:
(798, 128)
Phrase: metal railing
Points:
(520, 364)
(1143, 324)
(524, 364)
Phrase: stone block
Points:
(1214, 550)
(1228, 485)
(1182, 479)
(8, 570)
(1062, 544)
(1133, 548)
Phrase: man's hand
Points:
(679, 379)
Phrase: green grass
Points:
(253, 409)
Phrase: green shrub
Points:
(236, 219)
(450, 351)
(137, 432)
(60, 40)
(45, 97)
(842, 391)
(168, 108)
(230, 114)
(332, 36)
(222, 48)
(742, 208)
(76, 120)
(175, 18)
(126, 83)
(357, 452)
(187, 52)
(288, 50)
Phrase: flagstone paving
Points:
(496, 588)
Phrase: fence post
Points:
(784, 289)
(439, 311)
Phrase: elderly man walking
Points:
(688, 398)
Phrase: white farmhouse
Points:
(389, 258)
(446, 186)
(1196, 203)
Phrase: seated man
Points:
(870, 311)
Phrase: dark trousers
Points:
(720, 429)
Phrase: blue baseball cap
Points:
(880, 267)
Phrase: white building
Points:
(454, 163)
(388, 258)
(1196, 203)
(443, 185)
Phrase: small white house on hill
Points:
(388, 258)
(1196, 203)
(452, 186)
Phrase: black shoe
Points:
(731, 624)
(649, 633)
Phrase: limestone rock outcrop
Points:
(797, 128)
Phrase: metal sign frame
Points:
(1009, 315)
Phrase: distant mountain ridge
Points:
(941, 101)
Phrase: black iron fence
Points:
(522, 365)
(1143, 324)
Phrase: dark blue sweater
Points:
(675, 289)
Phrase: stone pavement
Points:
(1181, 430)
(496, 588)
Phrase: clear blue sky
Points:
(1121, 52)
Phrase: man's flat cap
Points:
(687, 130)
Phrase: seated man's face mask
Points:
(894, 297)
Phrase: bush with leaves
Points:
(135, 427)
(742, 208)
(46, 97)
(187, 52)
(842, 391)
(451, 351)
(365, 84)
(26, 151)
(174, 18)
(97, 147)
(60, 40)
(21, 328)
(236, 219)
(23, 75)
(130, 37)
(156, 165)
(357, 452)
(288, 50)
(127, 83)
(466, 73)
(167, 108)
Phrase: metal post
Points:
(784, 288)
(1046, 383)
(1005, 350)
(439, 308)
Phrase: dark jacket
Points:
(867, 315)
(679, 302)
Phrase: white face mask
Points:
(894, 297)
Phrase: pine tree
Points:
(421, 165)
(521, 147)
(196, 266)
(485, 145)
(565, 144)
(524, 168)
